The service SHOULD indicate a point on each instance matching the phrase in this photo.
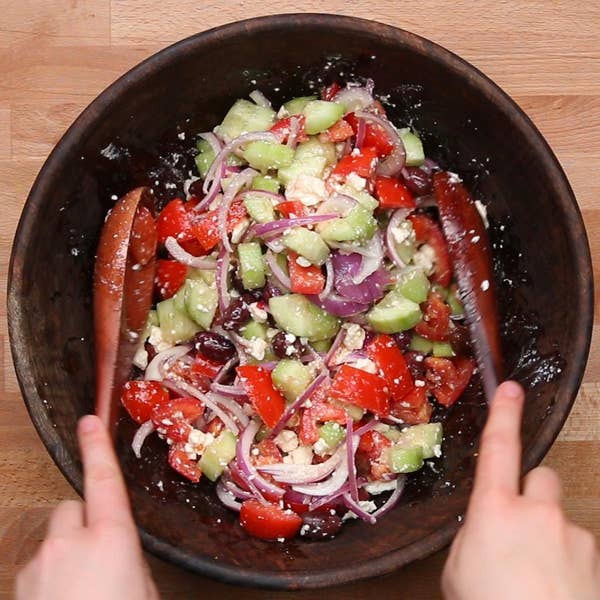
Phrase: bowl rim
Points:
(392, 560)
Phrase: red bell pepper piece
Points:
(436, 319)
(386, 355)
(362, 162)
(174, 221)
(428, 232)
(141, 397)
(269, 521)
(183, 464)
(169, 277)
(331, 91)
(367, 390)
(414, 408)
(268, 453)
(305, 280)
(291, 207)
(375, 136)
(206, 229)
(393, 194)
(370, 454)
(448, 378)
(283, 128)
(267, 401)
(173, 418)
(338, 132)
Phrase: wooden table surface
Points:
(57, 55)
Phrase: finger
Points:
(499, 463)
(104, 489)
(543, 484)
(66, 518)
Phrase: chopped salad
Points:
(306, 320)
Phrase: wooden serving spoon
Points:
(470, 254)
(123, 283)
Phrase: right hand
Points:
(518, 545)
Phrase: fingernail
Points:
(511, 389)
(88, 424)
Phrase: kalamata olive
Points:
(416, 364)
(250, 296)
(195, 188)
(214, 346)
(281, 346)
(270, 291)
(402, 340)
(417, 181)
(236, 315)
(460, 340)
(321, 525)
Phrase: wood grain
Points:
(56, 55)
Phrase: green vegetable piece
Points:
(266, 183)
(295, 106)
(152, 319)
(296, 314)
(440, 290)
(405, 460)
(415, 156)
(259, 208)
(313, 147)
(359, 226)
(291, 377)
(218, 455)
(265, 155)
(408, 246)
(392, 434)
(361, 196)
(252, 265)
(174, 322)
(200, 302)
(311, 165)
(442, 350)
(243, 117)
(205, 157)
(413, 284)
(321, 115)
(205, 275)
(394, 313)
(420, 344)
(322, 345)
(427, 436)
(307, 243)
(332, 434)
(454, 303)
(254, 330)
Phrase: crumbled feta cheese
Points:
(282, 113)
(365, 364)
(257, 313)
(272, 332)
(419, 383)
(140, 358)
(437, 450)
(424, 257)
(307, 189)
(454, 178)
(302, 455)
(320, 447)
(482, 212)
(239, 230)
(286, 440)
(485, 285)
(355, 336)
(303, 262)
(367, 505)
(157, 341)
(256, 348)
(403, 232)
(198, 440)
(378, 487)
(356, 181)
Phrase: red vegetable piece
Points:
(284, 126)
(169, 277)
(448, 378)
(386, 355)
(338, 132)
(183, 464)
(267, 401)
(362, 162)
(436, 319)
(370, 454)
(428, 232)
(206, 230)
(140, 398)
(173, 418)
(269, 521)
(331, 91)
(393, 194)
(375, 136)
(414, 408)
(174, 221)
(290, 208)
(367, 390)
(305, 280)
(268, 453)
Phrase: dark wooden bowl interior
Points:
(541, 253)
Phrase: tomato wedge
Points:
(448, 378)
(384, 352)
(375, 136)
(283, 127)
(174, 416)
(140, 398)
(174, 221)
(269, 521)
(414, 408)
(428, 232)
(436, 319)
(183, 464)
(267, 401)
(393, 194)
(290, 208)
(361, 162)
(370, 454)
(305, 280)
(362, 388)
(169, 277)
(331, 91)
(338, 132)
(206, 230)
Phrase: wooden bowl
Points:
(130, 135)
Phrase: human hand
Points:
(91, 550)
(518, 545)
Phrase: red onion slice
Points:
(393, 499)
(277, 271)
(232, 391)
(330, 276)
(351, 447)
(237, 183)
(155, 371)
(338, 306)
(237, 491)
(185, 258)
(354, 99)
(227, 497)
(320, 501)
(357, 510)
(361, 130)
(144, 430)
(390, 242)
(222, 276)
(293, 134)
(262, 229)
(329, 486)
(230, 405)
(337, 342)
(225, 369)
(372, 259)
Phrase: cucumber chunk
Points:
(405, 460)
(291, 377)
(313, 147)
(415, 156)
(266, 183)
(332, 434)
(361, 196)
(174, 322)
(420, 344)
(265, 155)
(322, 345)
(259, 208)
(358, 226)
(321, 115)
(252, 265)
(296, 314)
(413, 284)
(200, 302)
(310, 165)
(427, 436)
(218, 455)
(392, 433)
(204, 158)
(254, 330)
(307, 243)
(394, 313)
(454, 303)
(245, 116)
(442, 350)
(296, 105)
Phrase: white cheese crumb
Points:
(454, 178)
(303, 262)
(365, 364)
(239, 230)
(181, 135)
(355, 336)
(378, 487)
(283, 113)
(156, 339)
(257, 313)
(140, 359)
(286, 440)
(256, 348)
(356, 181)
(485, 285)
(307, 189)
(437, 450)
(424, 257)
(367, 505)
(320, 447)
(302, 455)
(403, 232)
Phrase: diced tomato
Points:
(298, 507)
(215, 426)
(141, 397)
(194, 375)
(283, 127)
(428, 232)
(393, 194)
(386, 355)
(269, 521)
(375, 136)
(367, 390)
(362, 162)
(331, 91)
(206, 230)
(169, 277)
(174, 221)
(266, 399)
(291, 207)
(338, 132)
(183, 464)
(321, 409)
(436, 319)
(173, 418)
(414, 408)
(370, 454)
(448, 378)
(305, 280)
(268, 453)
(205, 366)
(194, 247)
